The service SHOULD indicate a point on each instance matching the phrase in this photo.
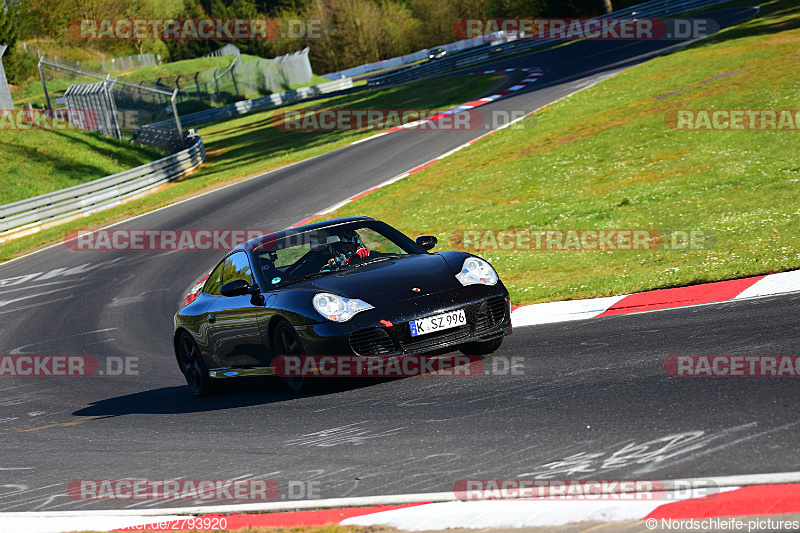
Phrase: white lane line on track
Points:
(731, 481)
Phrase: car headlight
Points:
(337, 308)
(476, 270)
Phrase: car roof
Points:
(252, 244)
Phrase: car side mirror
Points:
(427, 242)
(236, 287)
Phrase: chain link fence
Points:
(116, 108)
(115, 64)
(241, 79)
(238, 80)
(227, 50)
(122, 64)
(150, 113)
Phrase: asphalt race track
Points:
(587, 399)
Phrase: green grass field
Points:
(605, 158)
(41, 161)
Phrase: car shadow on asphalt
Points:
(244, 393)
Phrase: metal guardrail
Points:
(100, 194)
(482, 54)
(245, 106)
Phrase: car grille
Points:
(434, 339)
(491, 313)
(372, 341)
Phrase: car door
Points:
(233, 321)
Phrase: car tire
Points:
(481, 348)
(193, 367)
(286, 342)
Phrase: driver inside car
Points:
(347, 249)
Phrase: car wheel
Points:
(286, 342)
(193, 367)
(481, 348)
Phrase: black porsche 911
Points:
(348, 287)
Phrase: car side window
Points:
(237, 266)
(214, 281)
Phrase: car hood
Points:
(392, 280)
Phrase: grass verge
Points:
(605, 158)
(248, 145)
(41, 161)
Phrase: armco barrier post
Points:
(44, 85)
(177, 118)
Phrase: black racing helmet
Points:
(349, 242)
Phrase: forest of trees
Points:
(356, 31)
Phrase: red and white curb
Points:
(533, 75)
(705, 293)
(762, 500)
(777, 494)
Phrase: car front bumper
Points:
(385, 331)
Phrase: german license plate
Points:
(451, 319)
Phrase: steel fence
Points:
(264, 102)
(49, 209)
(114, 64)
(203, 90)
(227, 50)
(243, 79)
(119, 109)
(125, 63)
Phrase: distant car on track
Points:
(348, 287)
(437, 53)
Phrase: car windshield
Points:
(315, 253)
